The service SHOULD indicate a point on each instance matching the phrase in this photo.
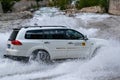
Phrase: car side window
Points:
(34, 34)
(72, 34)
(45, 34)
(54, 34)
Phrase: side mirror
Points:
(85, 38)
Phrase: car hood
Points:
(98, 42)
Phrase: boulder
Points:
(15, 16)
(23, 6)
(114, 7)
(94, 9)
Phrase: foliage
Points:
(62, 4)
(104, 4)
(7, 5)
(88, 3)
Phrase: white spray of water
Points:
(10, 67)
(3, 42)
(91, 17)
(103, 65)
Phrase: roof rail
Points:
(16, 28)
(41, 26)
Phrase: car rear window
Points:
(13, 35)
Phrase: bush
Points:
(7, 5)
(104, 4)
(62, 4)
(88, 3)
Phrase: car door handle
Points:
(70, 43)
(46, 42)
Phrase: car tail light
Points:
(16, 42)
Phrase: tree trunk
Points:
(37, 4)
(1, 10)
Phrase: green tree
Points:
(88, 3)
(80, 4)
(7, 5)
(62, 4)
(104, 4)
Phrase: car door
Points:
(55, 42)
(77, 47)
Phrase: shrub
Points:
(104, 4)
(62, 4)
(7, 5)
(88, 3)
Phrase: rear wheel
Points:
(40, 55)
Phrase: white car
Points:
(48, 43)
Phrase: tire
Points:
(40, 55)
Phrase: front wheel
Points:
(40, 55)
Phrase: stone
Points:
(23, 6)
(94, 9)
(16, 16)
(114, 7)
